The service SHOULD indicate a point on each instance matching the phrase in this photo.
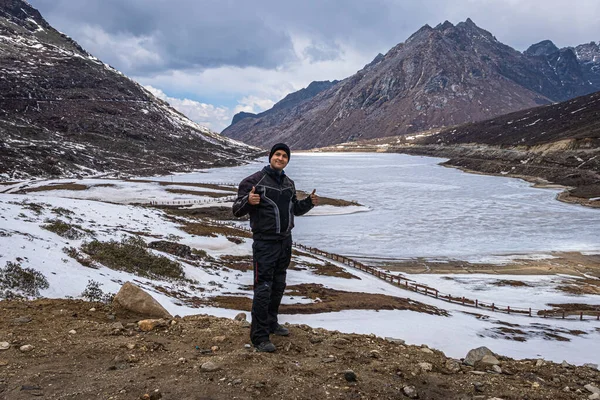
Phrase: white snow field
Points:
(414, 209)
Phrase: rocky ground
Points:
(71, 349)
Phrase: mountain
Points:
(441, 76)
(63, 112)
(289, 101)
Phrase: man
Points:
(269, 196)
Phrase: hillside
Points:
(441, 76)
(63, 112)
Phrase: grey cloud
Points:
(212, 33)
(322, 51)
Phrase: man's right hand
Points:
(253, 198)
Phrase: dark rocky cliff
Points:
(63, 112)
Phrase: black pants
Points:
(271, 259)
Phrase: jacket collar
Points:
(277, 175)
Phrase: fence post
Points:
(476, 303)
(463, 300)
(450, 298)
(508, 309)
(436, 294)
(581, 316)
(492, 306)
(563, 314)
(530, 311)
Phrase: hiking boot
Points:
(266, 347)
(280, 331)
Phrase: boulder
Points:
(477, 354)
(133, 298)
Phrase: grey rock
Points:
(426, 350)
(209, 366)
(133, 298)
(452, 365)
(410, 392)
(591, 388)
(565, 364)
(4, 345)
(539, 363)
(240, 317)
(590, 365)
(497, 369)
(594, 396)
(425, 366)
(22, 320)
(479, 387)
(394, 340)
(477, 355)
(117, 326)
(350, 375)
(489, 360)
(26, 348)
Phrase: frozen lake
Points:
(421, 209)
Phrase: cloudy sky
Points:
(213, 58)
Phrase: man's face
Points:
(279, 160)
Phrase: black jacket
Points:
(273, 217)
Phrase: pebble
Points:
(117, 326)
(130, 346)
(535, 385)
(426, 350)
(394, 340)
(452, 365)
(4, 345)
(214, 349)
(375, 354)
(240, 317)
(219, 339)
(479, 387)
(425, 366)
(350, 375)
(209, 366)
(539, 363)
(477, 372)
(497, 369)
(248, 346)
(92, 309)
(237, 381)
(72, 332)
(410, 392)
(3, 363)
(26, 348)
(22, 320)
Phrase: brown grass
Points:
(190, 184)
(238, 263)
(331, 300)
(327, 269)
(198, 193)
(328, 201)
(203, 229)
(61, 186)
(508, 282)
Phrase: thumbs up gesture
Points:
(253, 197)
(314, 198)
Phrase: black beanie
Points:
(280, 146)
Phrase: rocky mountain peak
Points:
(543, 48)
(439, 76)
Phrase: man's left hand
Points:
(314, 198)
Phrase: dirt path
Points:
(80, 353)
